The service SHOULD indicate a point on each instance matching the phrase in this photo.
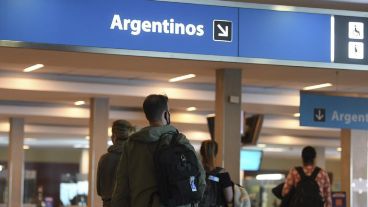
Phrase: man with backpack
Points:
(309, 185)
(158, 166)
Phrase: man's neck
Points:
(156, 123)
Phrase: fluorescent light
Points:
(270, 177)
(79, 103)
(273, 149)
(180, 78)
(261, 145)
(26, 147)
(191, 109)
(332, 38)
(324, 85)
(33, 67)
(80, 146)
(297, 115)
(339, 149)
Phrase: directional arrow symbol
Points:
(224, 32)
(319, 115)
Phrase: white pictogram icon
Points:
(356, 30)
(356, 50)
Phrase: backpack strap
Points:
(175, 138)
(301, 172)
(303, 175)
(315, 173)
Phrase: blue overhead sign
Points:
(159, 26)
(333, 111)
(284, 35)
(122, 24)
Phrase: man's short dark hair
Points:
(154, 105)
(308, 155)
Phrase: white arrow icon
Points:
(224, 32)
(319, 116)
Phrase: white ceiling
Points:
(46, 97)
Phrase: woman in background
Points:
(219, 187)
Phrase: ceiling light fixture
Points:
(26, 147)
(324, 85)
(339, 149)
(79, 103)
(191, 109)
(270, 177)
(180, 78)
(297, 115)
(87, 137)
(33, 68)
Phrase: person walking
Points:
(109, 161)
(307, 185)
(138, 182)
(219, 189)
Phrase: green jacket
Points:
(135, 177)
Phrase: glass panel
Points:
(50, 173)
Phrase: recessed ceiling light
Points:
(297, 115)
(339, 149)
(33, 68)
(26, 147)
(79, 103)
(324, 85)
(191, 109)
(180, 78)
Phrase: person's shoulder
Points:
(323, 172)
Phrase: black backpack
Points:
(307, 193)
(211, 196)
(177, 172)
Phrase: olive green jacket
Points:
(135, 177)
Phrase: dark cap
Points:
(122, 128)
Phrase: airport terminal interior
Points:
(55, 103)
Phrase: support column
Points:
(227, 121)
(358, 166)
(321, 157)
(346, 163)
(16, 162)
(98, 128)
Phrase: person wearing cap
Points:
(121, 129)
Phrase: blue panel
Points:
(333, 111)
(87, 23)
(284, 35)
